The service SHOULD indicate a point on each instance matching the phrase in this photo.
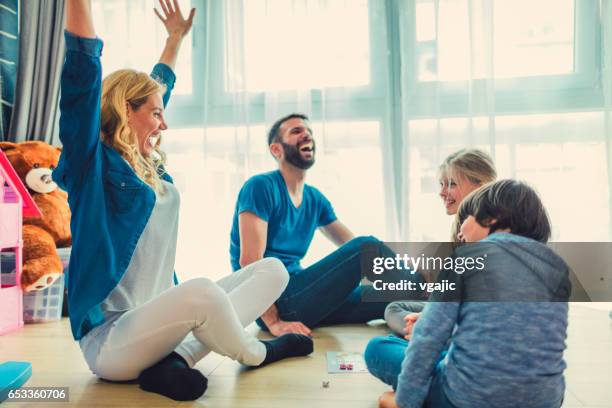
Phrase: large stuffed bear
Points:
(34, 162)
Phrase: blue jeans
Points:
(329, 292)
(384, 357)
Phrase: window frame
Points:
(215, 105)
(569, 92)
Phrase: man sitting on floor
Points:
(276, 215)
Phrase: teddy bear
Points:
(34, 162)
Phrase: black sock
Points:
(172, 377)
(289, 345)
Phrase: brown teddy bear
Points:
(34, 163)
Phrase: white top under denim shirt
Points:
(149, 273)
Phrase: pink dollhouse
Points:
(15, 202)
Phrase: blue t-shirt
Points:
(290, 229)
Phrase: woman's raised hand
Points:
(176, 25)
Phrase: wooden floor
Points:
(57, 361)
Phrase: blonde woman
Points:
(461, 173)
(130, 320)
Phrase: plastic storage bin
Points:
(43, 306)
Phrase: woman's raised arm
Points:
(79, 20)
(81, 88)
(176, 26)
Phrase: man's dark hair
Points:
(274, 135)
(512, 204)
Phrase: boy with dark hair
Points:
(507, 349)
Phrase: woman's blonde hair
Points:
(133, 87)
(474, 164)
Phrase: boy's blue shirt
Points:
(110, 204)
(290, 229)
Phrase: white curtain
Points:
(606, 79)
(392, 87)
(521, 80)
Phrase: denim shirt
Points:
(110, 204)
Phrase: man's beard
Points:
(294, 157)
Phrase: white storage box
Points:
(45, 305)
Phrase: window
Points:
(529, 39)
(304, 45)
(494, 55)
(562, 155)
(302, 50)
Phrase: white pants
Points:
(193, 319)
